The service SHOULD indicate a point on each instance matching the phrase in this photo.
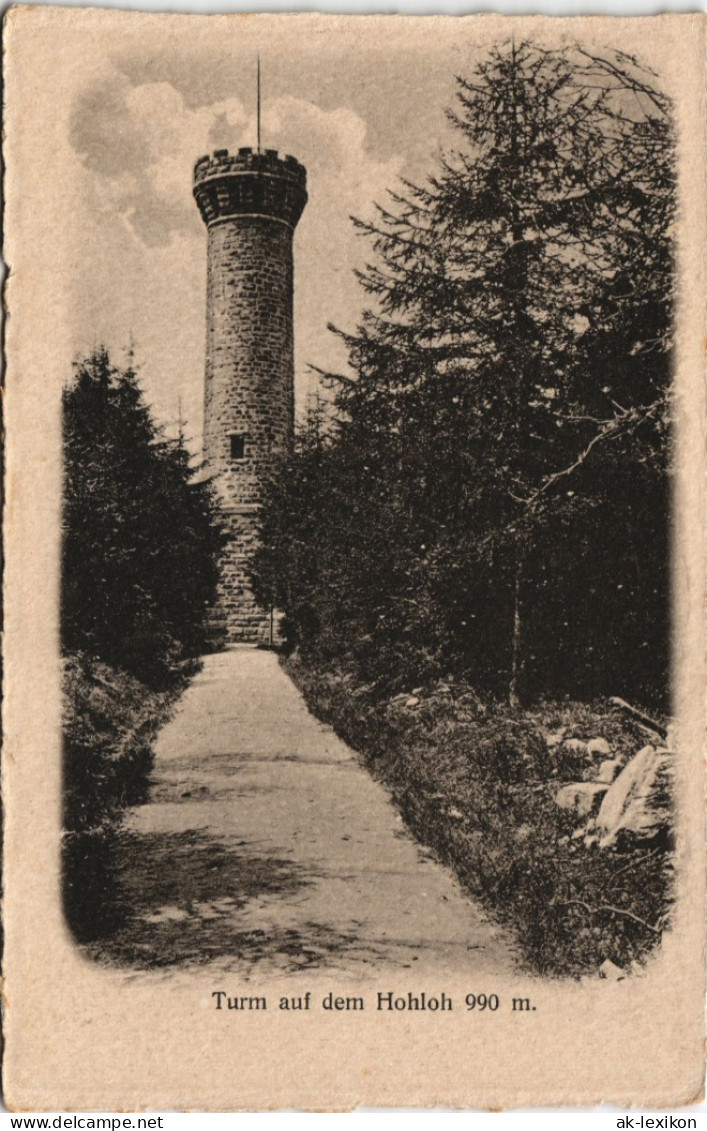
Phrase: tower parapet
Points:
(250, 202)
(227, 185)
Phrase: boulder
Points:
(598, 747)
(581, 798)
(611, 971)
(638, 802)
(609, 770)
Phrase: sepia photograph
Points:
(364, 429)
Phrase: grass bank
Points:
(110, 721)
(477, 782)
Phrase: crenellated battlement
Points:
(250, 183)
(247, 160)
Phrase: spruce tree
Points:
(140, 540)
(513, 367)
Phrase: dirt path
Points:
(265, 843)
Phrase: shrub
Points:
(510, 751)
(475, 782)
(110, 719)
(140, 537)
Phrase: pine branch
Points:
(661, 102)
(606, 907)
(613, 429)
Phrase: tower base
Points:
(236, 617)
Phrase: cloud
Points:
(144, 243)
(103, 133)
(140, 142)
(138, 145)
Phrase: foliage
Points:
(477, 783)
(110, 719)
(140, 542)
(140, 545)
(492, 495)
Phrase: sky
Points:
(138, 122)
(360, 110)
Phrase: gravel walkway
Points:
(265, 845)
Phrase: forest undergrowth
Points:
(477, 782)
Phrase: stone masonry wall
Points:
(249, 353)
(249, 392)
(236, 616)
(250, 202)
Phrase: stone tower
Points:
(251, 203)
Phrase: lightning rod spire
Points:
(258, 85)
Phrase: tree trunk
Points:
(516, 662)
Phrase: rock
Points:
(598, 746)
(639, 800)
(555, 738)
(575, 745)
(455, 814)
(412, 701)
(580, 797)
(417, 691)
(608, 770)
(611, 971)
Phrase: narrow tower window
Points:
(237, 445)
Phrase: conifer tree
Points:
(140, 540)
(510, 399)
